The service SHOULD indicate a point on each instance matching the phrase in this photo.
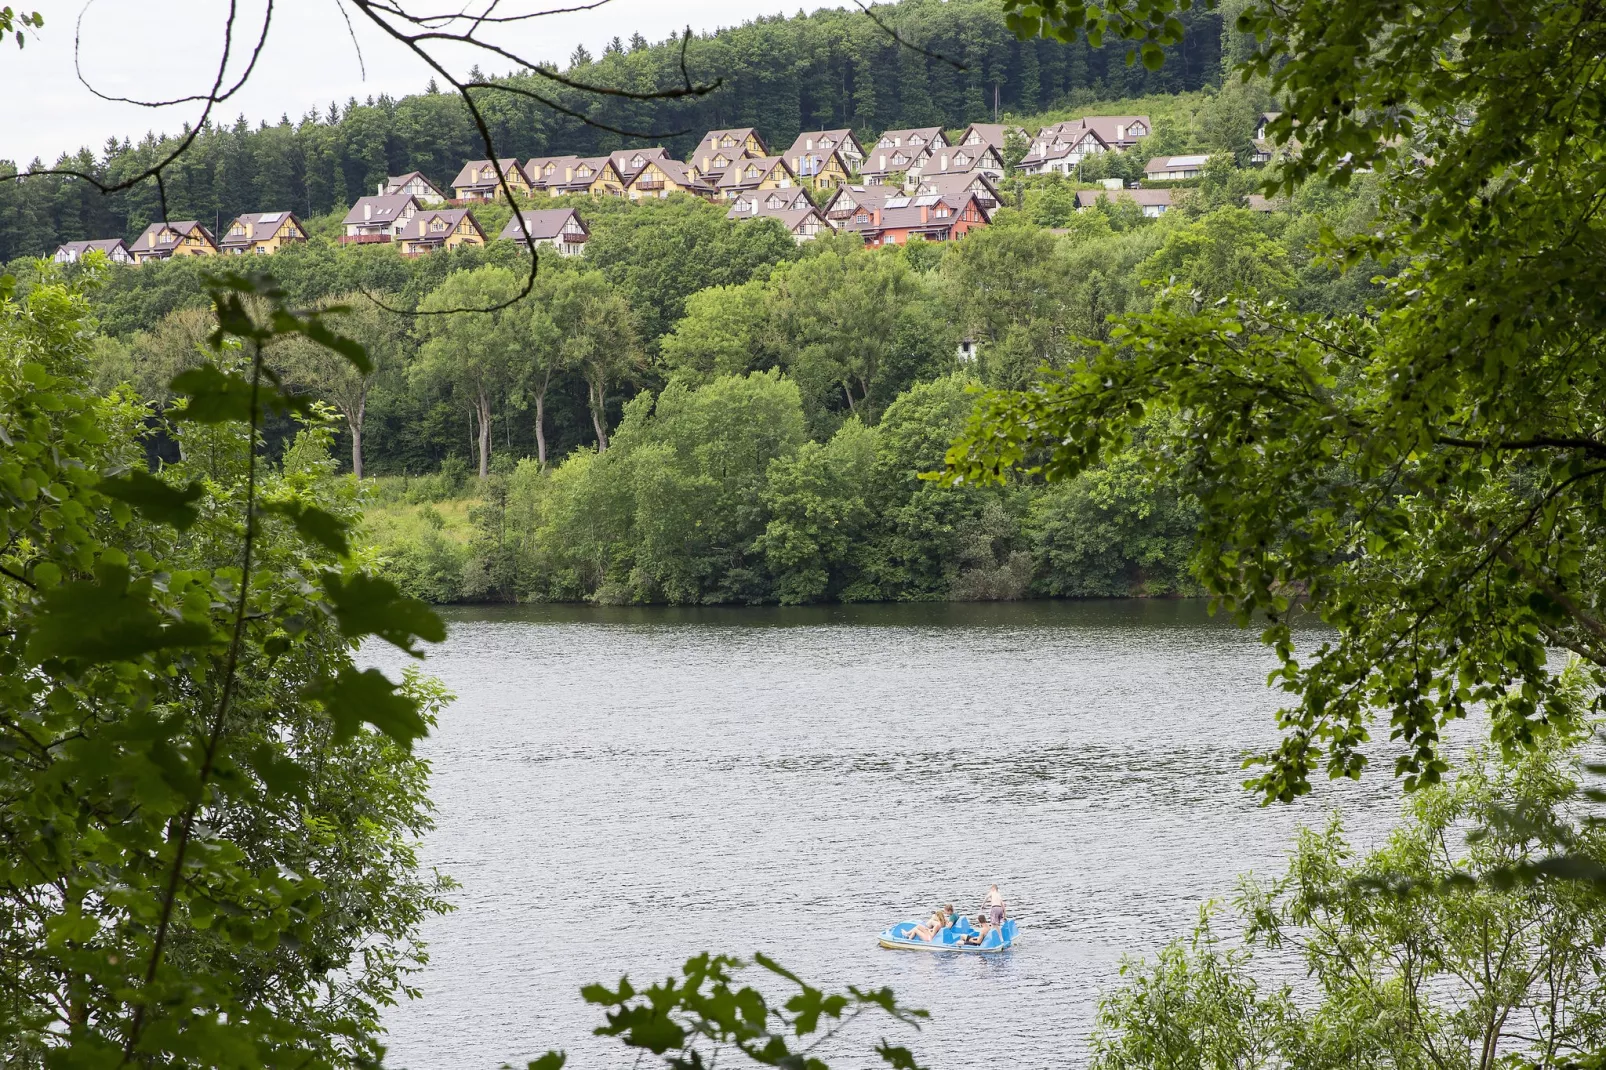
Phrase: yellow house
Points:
(819, 157)
(720, 148)
(660, 178)
(444, 228)
(262, 232)
(595, 175)
(478, 180)
(756, 173)
(162, 240)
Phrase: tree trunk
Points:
(598, 400)
(540, 419)
(354, 421)
(485, 435)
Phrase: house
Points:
(414, 184)
(1060, 148)
(377, 218)
(720, 148)
(592, 175)
(895, 150)
(479, 180)
(660, 178)
(162, 240)
(932, 216)
(1153, 202)
(629, 162)
(558, 228)
(262, 233)
(993, 134)
(827, 158)
(542, 171)
(1119, 132)
(775, 200)
(756, 173)
(803, 223)
(1262, 148)
(959, 160)
(438, 228)
(978, 183)
(115, 249)
(846, 201)
(1175, 168)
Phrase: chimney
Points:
(923, 210)
(368, 211)
(380, 192)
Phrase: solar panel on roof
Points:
(925, 199)
(897, 202)
(272, 217)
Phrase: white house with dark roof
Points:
(378, 218)
(559, 229)
(116, 250)
(415, 184)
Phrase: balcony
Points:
(363, 239)
(650, 184)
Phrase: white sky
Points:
(163, 48)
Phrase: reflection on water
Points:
(621, 788)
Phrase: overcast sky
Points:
(154, 49)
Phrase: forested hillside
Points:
(829, 69)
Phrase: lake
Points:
(619, 789)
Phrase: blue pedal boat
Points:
(900, 938)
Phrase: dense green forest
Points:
(834, 68)
(766, 408)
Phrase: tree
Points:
(180, 702)
(598, 331)
(477, 355)
(546, 355)
(1423, 952)
(1424, 477)
(1016, 146)
(382, 335)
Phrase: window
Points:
(728, 142)
(940, 212)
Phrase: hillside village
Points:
(908, 184)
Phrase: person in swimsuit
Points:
(991, 917)
(934, 924)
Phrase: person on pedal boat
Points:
(935, 924)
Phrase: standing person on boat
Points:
(993, 908)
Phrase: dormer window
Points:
(884, 143)
(940, 212)
(583, 171)
(752, 172)
(961, 159)
(826, 143)
(437, 224)
(727, 142)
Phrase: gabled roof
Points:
(259, 226)
(544, 224)
(396, 182)
(714, 139)
(991, 133)
(678, 173)
(535, 168)
(905, 213)
(838, 139)
(146, 242)
(1115, 129)
(860, 195)
(568, 175)
(624, 159)
(76, 249)
(386, 209)
(960, 159)
(418, 229)
(956, 182)
(904, 138)
(468, 177)
(752, 170)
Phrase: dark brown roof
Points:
(468, 178)
(417, 228)
(259, 226)
(380, 210)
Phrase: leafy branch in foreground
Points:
(1425, 477)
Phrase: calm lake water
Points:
(619, 789)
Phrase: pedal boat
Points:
(900, 938)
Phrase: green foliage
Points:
(1423, 473)
(210, 856)
(1422, 951)
(704, 1012)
